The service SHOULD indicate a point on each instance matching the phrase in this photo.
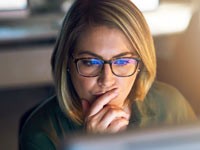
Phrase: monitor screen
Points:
(181, 137)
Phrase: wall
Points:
(179, 63)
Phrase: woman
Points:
(104, 67)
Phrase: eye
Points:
(122, 61)
(91, 62)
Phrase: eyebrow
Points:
(96, 55)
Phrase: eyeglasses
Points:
(121, 67)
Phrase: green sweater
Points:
(47, 125)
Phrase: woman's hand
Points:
(101, 117)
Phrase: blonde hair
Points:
(121, 14)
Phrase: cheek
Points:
(83, 86)
(127, 85)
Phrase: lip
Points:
(99, 93)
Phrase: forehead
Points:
(104, 41)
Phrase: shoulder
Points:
(41, 113)
(161, 90)
(164, 93)
(168, 104)
(37, 125)
(43, 127)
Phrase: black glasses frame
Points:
(110, 62)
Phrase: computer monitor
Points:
(185, 137)
(13, 9)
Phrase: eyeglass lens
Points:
(120, 66)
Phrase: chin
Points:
(117, 103)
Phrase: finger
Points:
(85, 106)
(103, 119)
(118, 125)
(102, 101)
(92, 123)
(111, 115)
(96, 122)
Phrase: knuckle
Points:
(90, 126)
(111, 112)
(90, 122)
(100, 126)
(121, 121)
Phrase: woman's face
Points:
(104, 43)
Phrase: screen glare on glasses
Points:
(92, 67)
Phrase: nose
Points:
(106, 78)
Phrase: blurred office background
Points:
(28, 32)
